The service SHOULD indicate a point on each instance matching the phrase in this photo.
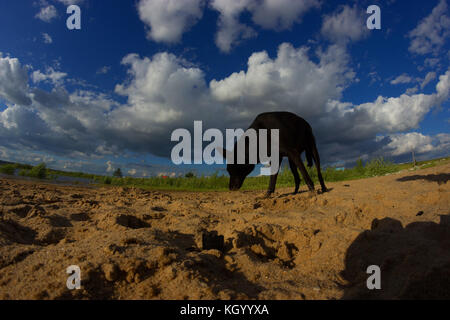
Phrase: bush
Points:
(8, 169)
(379, 166)
(107, 180)
(39, 171)
(189, 175)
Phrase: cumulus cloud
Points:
(151, 92)
(291, 81)
(268, 14)
(55, 77)
(347, 24)
(403, 144)
(231, 30)
(13, 81)
(55, 122)
(169, 19)
(47, 13)
(280, 14)
(165, 92)
(431, 33)
(408, 142)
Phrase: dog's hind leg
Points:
(295, 174)
(295, 156)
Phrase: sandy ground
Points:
(136, 244)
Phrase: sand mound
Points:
(136, 244)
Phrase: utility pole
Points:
(413, 158)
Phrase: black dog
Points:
(295, 136)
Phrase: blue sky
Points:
(109, 95)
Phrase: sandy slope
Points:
(135, 244)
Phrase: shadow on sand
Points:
(414, 260)
(438, 178)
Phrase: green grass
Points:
(375, 167)
(216, 182)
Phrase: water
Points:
(59, 179)
(73, 180)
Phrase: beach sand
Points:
(136, 244)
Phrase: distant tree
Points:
(118, 173)
(39, 171)
(8, 169)
(189, 175)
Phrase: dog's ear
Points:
(224, 152)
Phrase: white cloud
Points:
(431, 33)
(69, 2)
(56, 77)
(13, 81)
(348, 24)
(431, 62)
(429, 77)
(396, 113)
(231, 30)
(401, 144)
(268, 14)
(132, 172)
(110, 167)
(47, 13)
(163, 89)
(404, 78)
(412, 90)
(280, 14)
(103, 70)
(443, 86)
(169, 19)
(290, 81)
(47, 38)
(4, 154)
